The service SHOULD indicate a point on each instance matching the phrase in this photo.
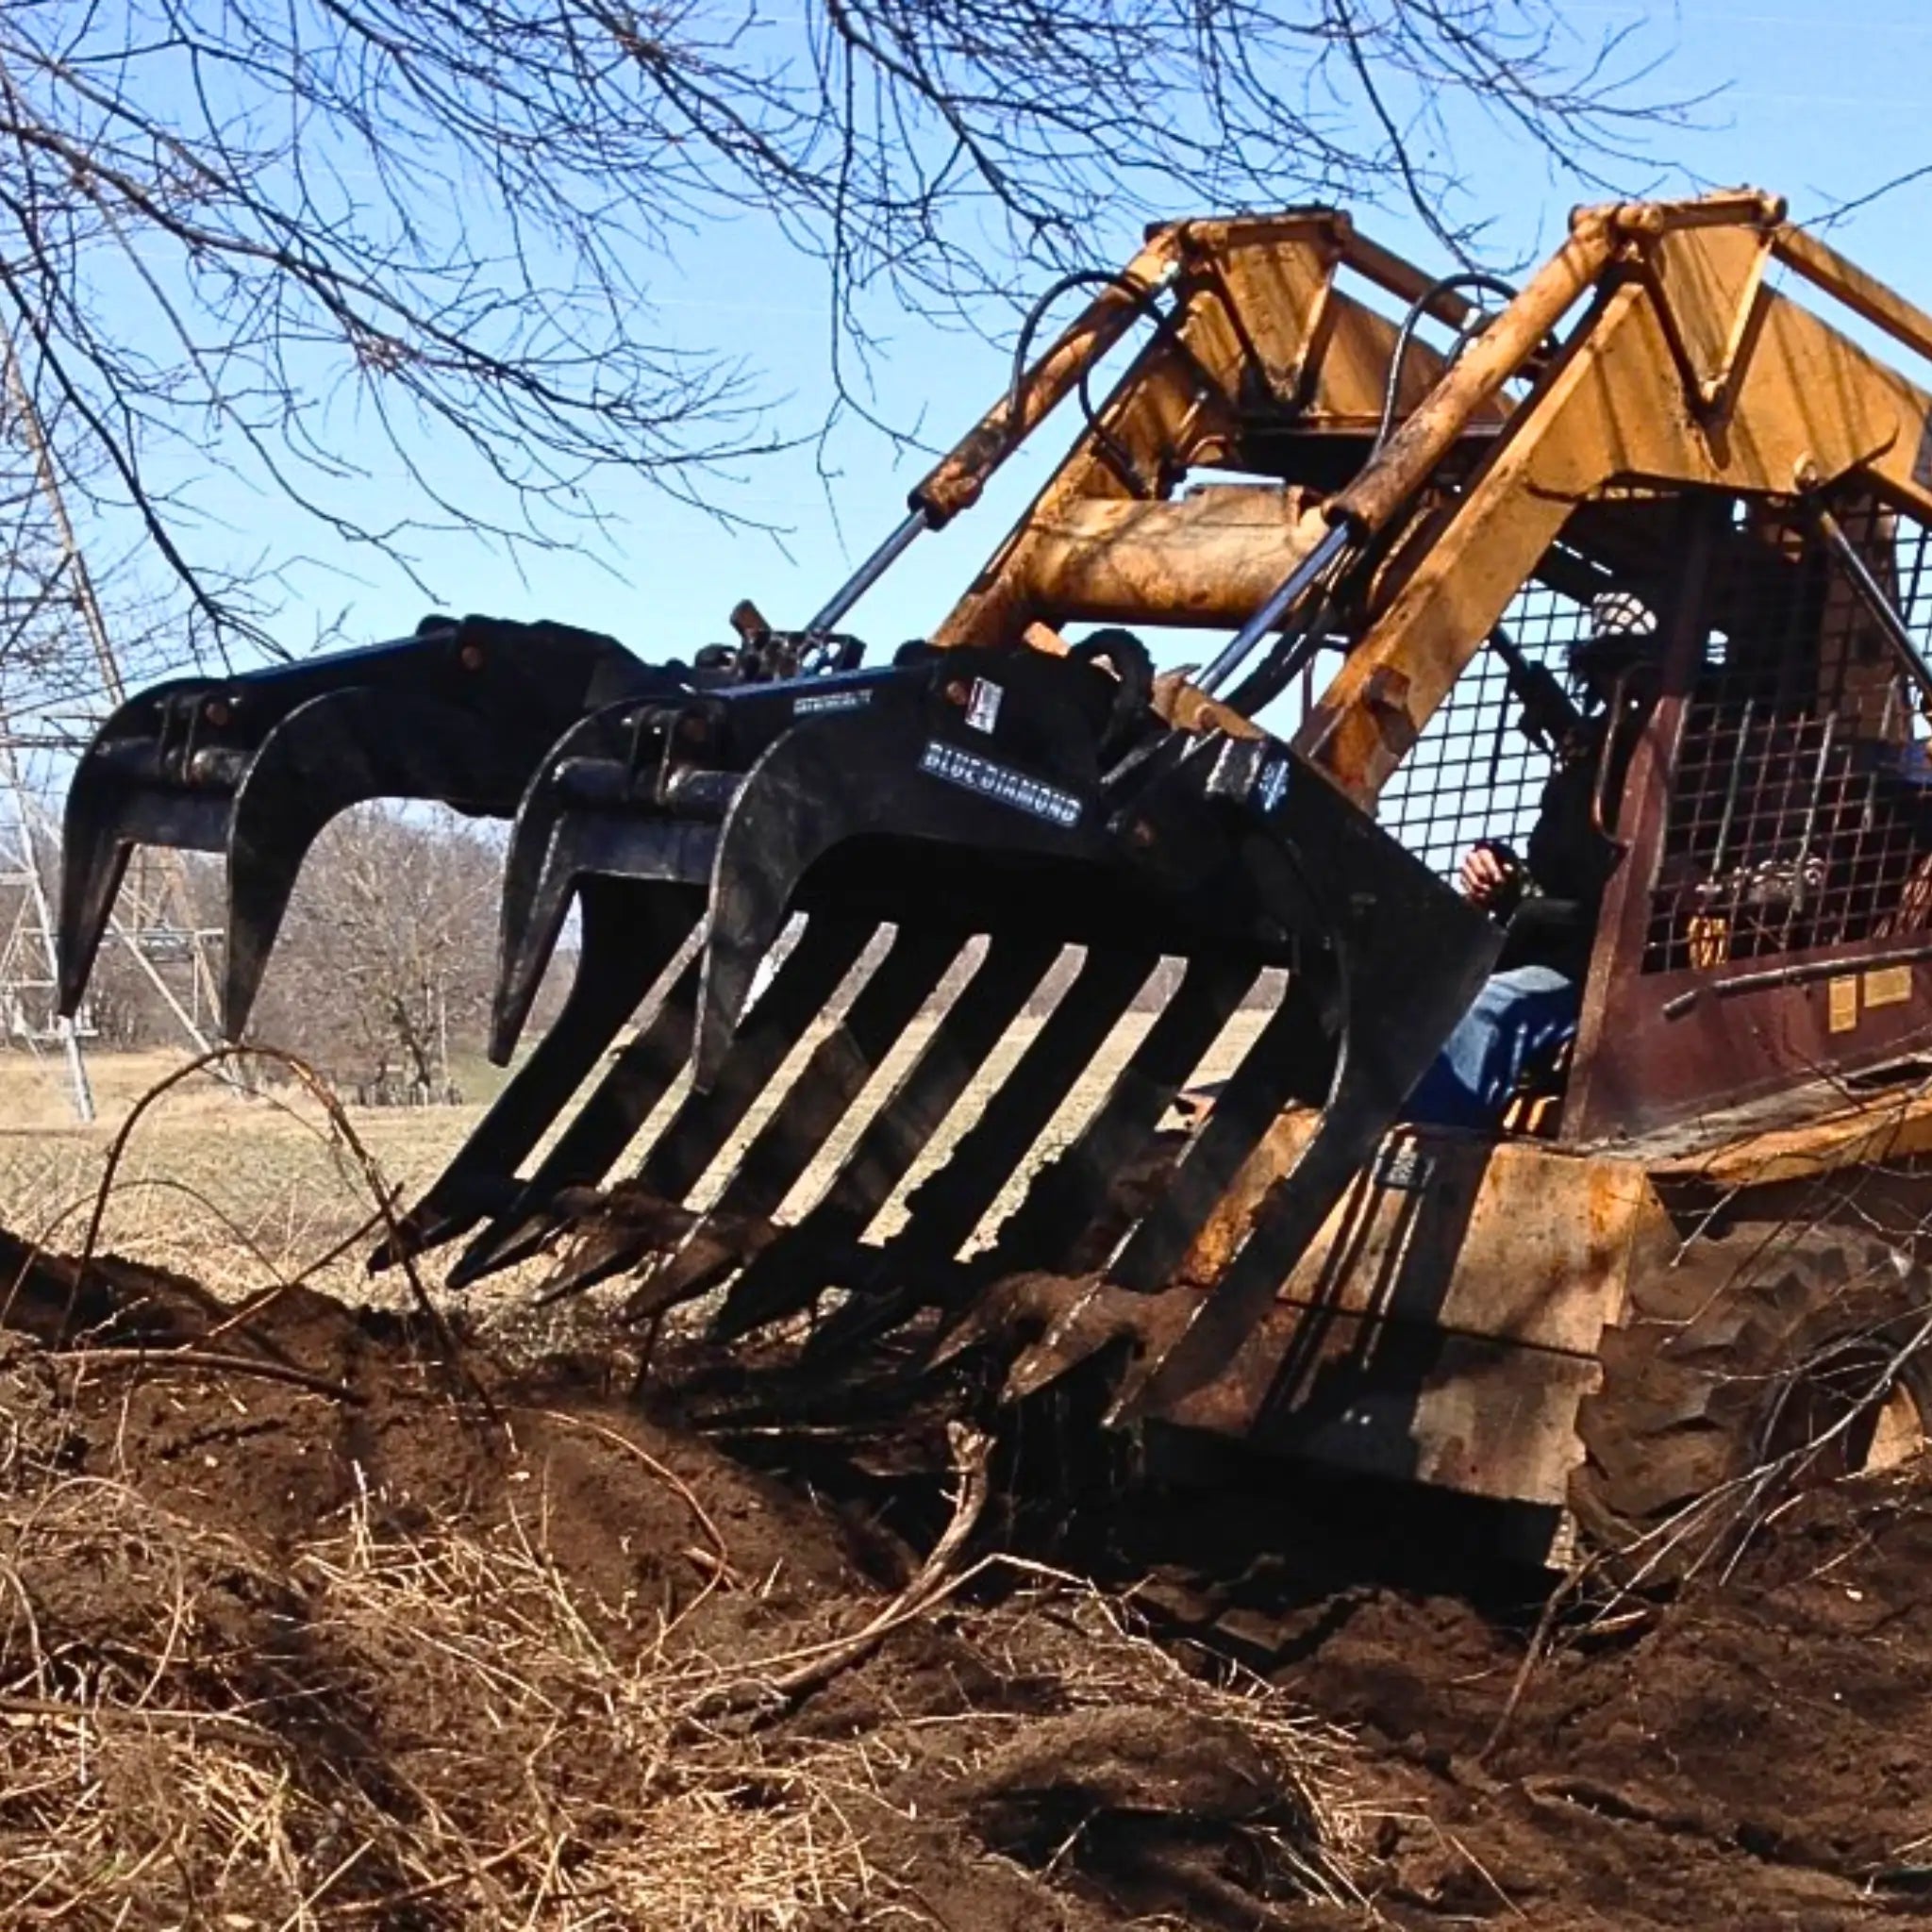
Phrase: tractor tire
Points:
(1763, 1363)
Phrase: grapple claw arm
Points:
(120, 799)
(633, 791)
(576, 823)
(461, 711)
(989, 754)
(337, 751)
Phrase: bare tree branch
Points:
(320, 240)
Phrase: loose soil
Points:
(481, 1644)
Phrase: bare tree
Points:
(291, 239)
(384, 972)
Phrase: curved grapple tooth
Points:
(620, 1232)
(718, 1247)
(340, 750)
(461, 711)
(129, 789)
(1105, 1317)
(579, 819)
(1016, 1308)
(1057, 1322)
(617, 962)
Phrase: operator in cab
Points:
(1547, 897)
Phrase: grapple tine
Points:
(536, 894)
(838, 1067)
(1015, 1308)
(334, 752)
(805, 982)
(639, 1077)
(621, 955)
(610, 1118)
(1046, 1230)
(1142, 1325)
(947, 1207)
(1390, 1021)
(119, 799)
(737, 1229)
(1287, 1060)
(787, 814)
(834, 1073)
(575, 821)
(788, 1275)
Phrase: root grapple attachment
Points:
(993, 811)
(255, 765)
(916, 960)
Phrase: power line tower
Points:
(162, 924)
(29, 975)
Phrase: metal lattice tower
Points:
(162, 923)
(28, 976)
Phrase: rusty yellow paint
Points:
(1888, 986)
(1263, 312)
(1381, 1398)
(1862, 293)
(1891, 1127)
(1841, 997)
(957, 479)
(1205, 558)
(1515, 1241)
(1801, 403)
(1481, 1277)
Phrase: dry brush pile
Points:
(344, 1649)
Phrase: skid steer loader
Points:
(923, 955)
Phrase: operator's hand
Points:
(1488, 872)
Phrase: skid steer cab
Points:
(891, 973)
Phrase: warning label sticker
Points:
(817, 703)
(983, 704)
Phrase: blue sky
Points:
(1821, 103)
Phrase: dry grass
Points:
(245, 1193)
(240, 1191)
(437, 1729)
(156, 1775)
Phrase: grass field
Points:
(211, 1181)
(243, 1191)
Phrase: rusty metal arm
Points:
(956, 481)
(1263, 341)
(1391, 481)
(1393, 477)
(1866, 296)
(1804, 402)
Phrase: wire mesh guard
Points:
(1799, 812)
(1474, 774)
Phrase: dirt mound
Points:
(306, 1623)
(1757, 1752)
